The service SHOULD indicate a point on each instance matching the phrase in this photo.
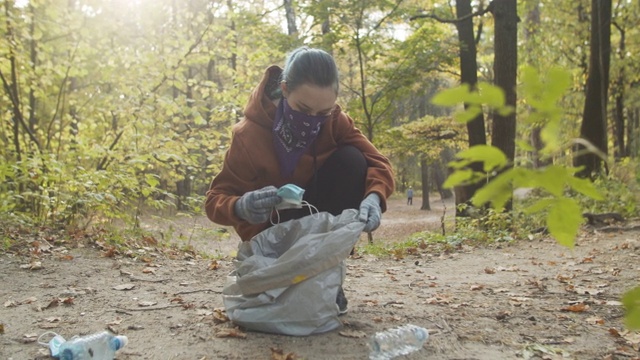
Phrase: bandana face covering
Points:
(293, 132)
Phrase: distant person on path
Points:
(294, 132)
(410, 196)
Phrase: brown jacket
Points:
(251, 163)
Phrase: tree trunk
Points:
(291, 17)
(438, 176)
(619, 123)
(505, 63)
(594, 118)
(531, 28)
(424, 172)
(469, 75)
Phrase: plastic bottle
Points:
(99, 346)
(397, 341)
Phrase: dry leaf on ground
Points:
(278, 354)
(353, 334)
(123, 287)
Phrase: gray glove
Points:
(370, 212)
(255, 206)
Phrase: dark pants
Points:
(338, 184)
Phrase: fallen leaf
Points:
(150, 240)
(53, 319)
(117, 321)
(576, 308)
(35, 265)
(490, 270)
(476, 287)
(110, 252)
(278, 354)
(230, 333)
(177, 299)
(204, 312)
(564, 278)
(214, 265)
(613, 303)
(124, 287)
(67, 301)
(614, 332)
(1, 329)
(503, 315)
(147, 303)
(595, 321)
(149, 270)
(353, 334)
(48, 326)
(377, 319)
(53, 303)
(219, 316)
(10, 303)
(66, 257)
(586, 291)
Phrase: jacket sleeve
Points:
(237, 177)
(380, 177)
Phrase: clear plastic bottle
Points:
(397, 341)
(99, 346)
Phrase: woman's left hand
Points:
(370, 212)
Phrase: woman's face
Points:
(311, 99)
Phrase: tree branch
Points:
(480, 12)
(17, 112)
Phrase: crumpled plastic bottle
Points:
(99, 346)
(397, 341)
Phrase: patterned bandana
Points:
(293, 132)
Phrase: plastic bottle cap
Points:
(122, 341)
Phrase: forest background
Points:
(114, 108)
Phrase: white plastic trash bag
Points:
(287, 277)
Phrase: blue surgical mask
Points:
(291, 195)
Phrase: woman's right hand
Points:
(255, 206)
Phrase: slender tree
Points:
(594, 117)
(505, 63)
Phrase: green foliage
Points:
(485, 94)
(564, 215)
(621, 188)
(631, 302)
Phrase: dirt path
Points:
(532, 299)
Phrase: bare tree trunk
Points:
(291, 17)
(505, 63)
(619, 123)
(594, 118)
(531, 37)
(469, 75)
(424, 172)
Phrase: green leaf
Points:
(523, 145)
(458, 177)
(631, 302)
(451, 97)
(586, 187)
(539, 206)
(564, 220)
(469, 114)
(498, 191)
(553, 179)
(152, 180)
(490, 156)
(491, 95)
